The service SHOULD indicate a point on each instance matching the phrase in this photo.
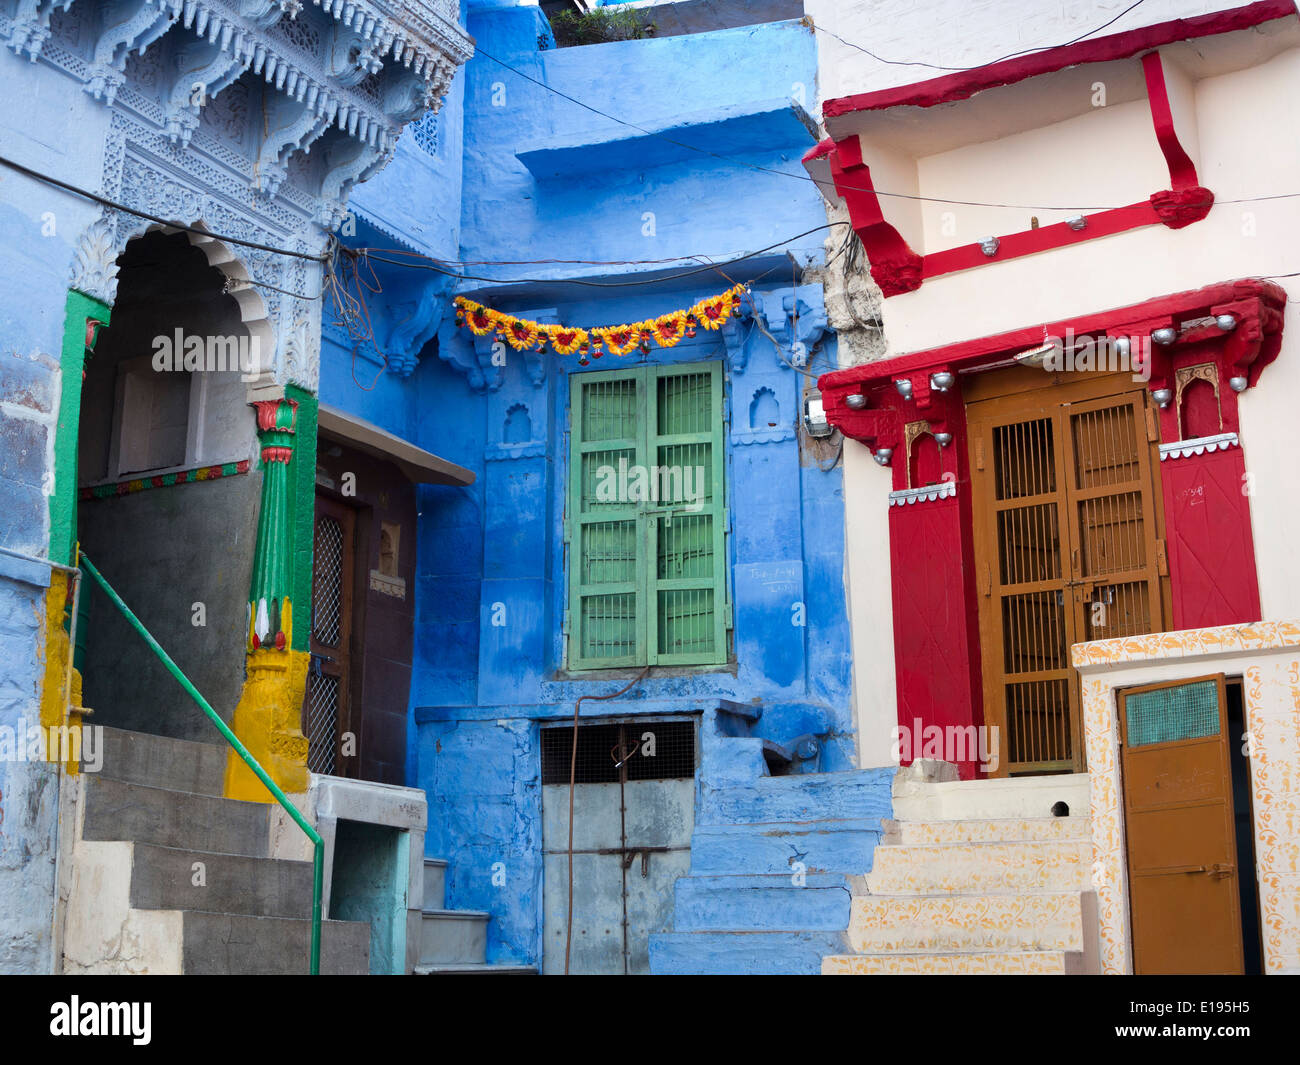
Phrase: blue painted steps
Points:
(830, 846)
(818, 902)
(742, 953)
(772, 862)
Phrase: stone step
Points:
(435, 884)
(163, 878)
(776, 902)
(464, 969)
(773, 847)
(1018, 962)
(980, 868)
(163, 762)
(454, 937)
(231, 944)
(940, 923)
(998, 830)
(917, 799)
(741, 953)
(857, 794)
(115, 810)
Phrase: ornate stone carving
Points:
(94, 269)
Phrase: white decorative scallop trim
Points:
(1182, 448)
(905, 497)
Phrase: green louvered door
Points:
(647, 519)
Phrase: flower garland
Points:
(665, 331)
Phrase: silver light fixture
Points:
(1122, 346)
(1076, 222)
(1162, 396)
(1226, 322)
(943, 439)
(941, 381)
(855, 401)
(815, 422)
(904, 387)
(1238, 384)
(1165, 335)
(883, 455)
(989, 246)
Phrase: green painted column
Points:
(271, 598)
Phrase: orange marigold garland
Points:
(665, 331)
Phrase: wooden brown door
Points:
(326, 705)
(1067, 549)
(1178, 818)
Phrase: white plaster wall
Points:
(943, 33)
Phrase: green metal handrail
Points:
(318, 859)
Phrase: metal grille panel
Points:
(1038, 718)
(654, 750)
(686, 621)
(327, 582)
(322, 722)
(1181, 712)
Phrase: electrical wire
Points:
(432, 265)
(573, 778)
(978, 66)
(104, 201)
(842, 188)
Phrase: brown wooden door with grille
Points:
(1067, 549)
(1178, 820)
(326, 706)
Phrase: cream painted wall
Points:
(944, 33)
(871, 614)
(1246, 146)
(1106, 158)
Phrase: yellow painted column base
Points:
(268, 721)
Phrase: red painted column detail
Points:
(1209, 540)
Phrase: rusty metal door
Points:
(634, 811)
(1066, 545)
(326, 703)
(1178, 816)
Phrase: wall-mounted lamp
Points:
(943, 439)
(904, 387)
(1165, 335)
(815, 422)
(1122, 346)
(1226, 322)
(855, 401)
(1077, 222)
(989, 246)
(941, 381)
(1162, 396)
(1238, 384)
(883, 455)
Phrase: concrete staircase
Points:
(977, 877)
(773, 863)
(454, 942)
(166, 876)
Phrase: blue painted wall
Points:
(541, 178)
(39, 228)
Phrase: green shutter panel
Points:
(606, 549)
(686, 531)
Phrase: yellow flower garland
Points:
(665, 331)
